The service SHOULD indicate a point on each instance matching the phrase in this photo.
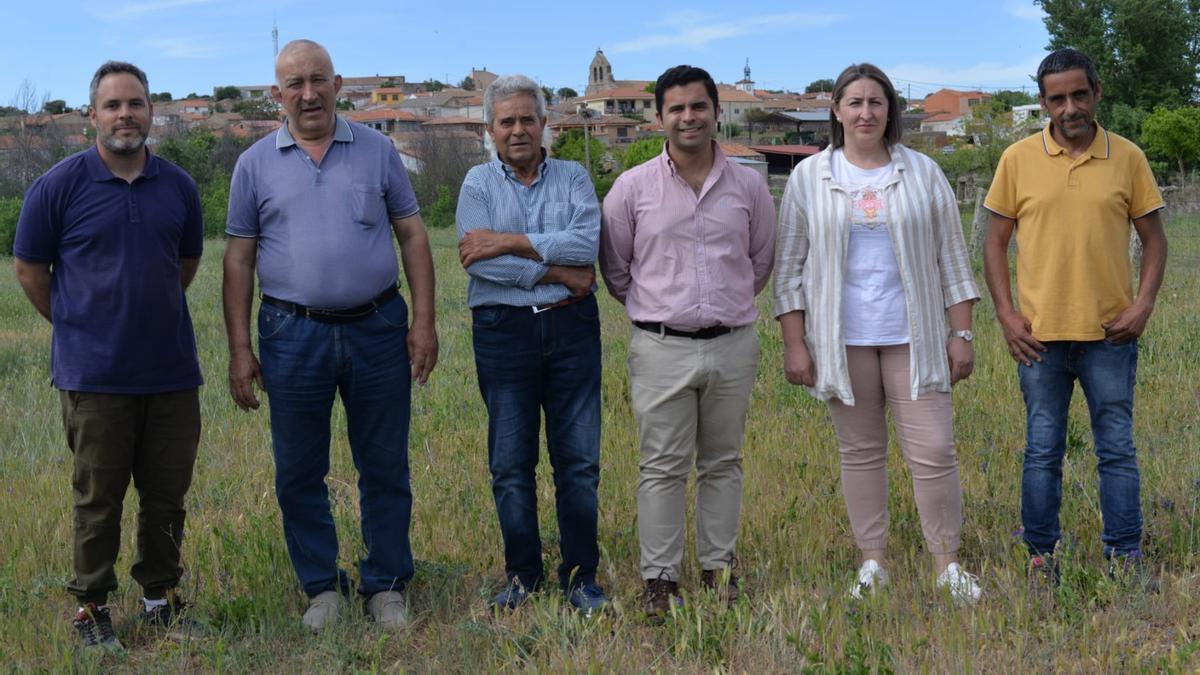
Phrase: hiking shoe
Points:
(95, 628)
(172, 616)
(1130, 569)
(512, 597)
(964, 587)
(1043, 574)
(388, 609)
(871, 577)
(588, 599)
(323, 610)
(660, 595)
(722, 582)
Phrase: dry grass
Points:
(796, 552)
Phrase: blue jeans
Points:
(1106, 373)
(528, 363)
(304, 363)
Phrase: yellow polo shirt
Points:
(1073, 221)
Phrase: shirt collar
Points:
(99, 172)
(718, 164)
(508, 172)
(1099, 149)
(342, 133)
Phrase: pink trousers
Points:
(879, 376)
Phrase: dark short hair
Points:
(680, 76)
(112, 68)
(1062, 60)
(858, 71)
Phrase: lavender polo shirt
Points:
(324, 232)
(684, 259)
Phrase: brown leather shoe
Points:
(657, 598)
(723, 583)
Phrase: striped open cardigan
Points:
(927, 236)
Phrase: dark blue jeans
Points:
(528, 363)
(304, 363)
(1106, 372)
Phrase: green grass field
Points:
(796, 553)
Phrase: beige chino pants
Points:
(690, 398)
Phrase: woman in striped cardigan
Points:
(870, 267)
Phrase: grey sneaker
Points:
(963, 586)
(870, 578)
(323, 611)
(95, 628)
(388, 609)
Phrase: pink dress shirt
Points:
(684, 259)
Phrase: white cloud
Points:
(986, 74)
(1025, 10)
(696, 30)
(187, 48)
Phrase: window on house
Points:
(622, 132)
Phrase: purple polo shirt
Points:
(121, 323)
(324, 232)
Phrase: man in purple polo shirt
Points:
(313, 208)
(687, 242)
(107, 242)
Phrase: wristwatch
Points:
(964, 334)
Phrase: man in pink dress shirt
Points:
(687, 242)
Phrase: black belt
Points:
(348, 315)
(702, 334)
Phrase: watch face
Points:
(964, 334)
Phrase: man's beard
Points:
(121, 146)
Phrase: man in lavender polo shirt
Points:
(687, 242)
(313, 208)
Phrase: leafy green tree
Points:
(226, 92)
(824, 84)
(1125, 120)
(649, 87)
(190, 151)
(10, 209)
(345, 104)
(1146, 51)
(1173, 135)
(441, 212)
(467, 83)
(547, 95)
(56, 107)
(567, 92)
(214, 204)
(569, 146)
(1008, 98)
(642, 151)
(433, 85)
(257, 109)
(755, 116)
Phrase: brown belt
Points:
(570, 300)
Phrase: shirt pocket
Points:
(556, 216)
(369, 208)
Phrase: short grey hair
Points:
(113, 68)
(512, 85)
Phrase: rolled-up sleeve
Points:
(791, 250)
(616, 239)
(954, 262)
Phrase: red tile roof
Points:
(456, 119)
(800, 150)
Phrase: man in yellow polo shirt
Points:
(1070, 193)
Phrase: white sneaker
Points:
(871, 576)
(388, 609)
(323, 611)
(963, 587)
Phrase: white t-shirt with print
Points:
(873, 305)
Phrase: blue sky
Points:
(193, 45)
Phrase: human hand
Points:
(1129, 324)
(244, 373)
(962, 359)
(578, 280)
(798, 365)
(1022, 346)
(481, 244)
(422, 349)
